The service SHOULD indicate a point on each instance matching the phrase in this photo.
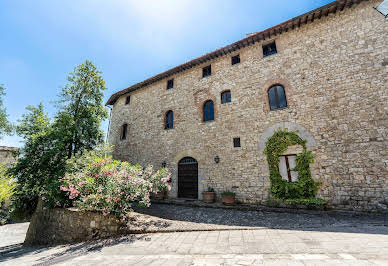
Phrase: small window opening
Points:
(124, 129)
(235, 59)
(169, 122)
(226, 97)
(236, 142)
(286, 165)
(170, 84)
(127, 100)
(207, 71)
(269, 49)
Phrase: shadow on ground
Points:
(315, 221)
(52, 255)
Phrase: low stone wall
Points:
(60, 226)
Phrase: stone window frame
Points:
(124, 134)
(237, 142)
(273, 82)
(211, 71)
(200, 97)
(203, 111)
(165, 120)
(223, 92)
(170, 81)
(235, 62)
(265, 44)
(127, 99)
(276, 86)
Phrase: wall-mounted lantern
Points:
(164, 164)
(217, 159)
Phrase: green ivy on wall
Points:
(306, 187)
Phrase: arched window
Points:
(208, 111)
(123, 134)
(277, 97)
(226, 97)
(169, 121)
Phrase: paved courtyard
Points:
(335, 240)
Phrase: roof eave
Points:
(290, 24)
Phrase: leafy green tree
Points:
(81, 109)
(41, 159)
(5, 126)
(32, 123)
(48, 145)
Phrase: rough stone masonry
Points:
(332, 63)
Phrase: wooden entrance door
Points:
(188, 178)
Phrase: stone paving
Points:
(342, 240)
(11, 234)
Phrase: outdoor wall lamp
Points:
(164, 164)
(217, 159)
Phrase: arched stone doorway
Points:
(188, 178)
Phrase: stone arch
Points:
(301, 132)
(188, 153)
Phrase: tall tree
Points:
(41, 159)
(5, 126)
(81, 109)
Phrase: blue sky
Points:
(41, 41)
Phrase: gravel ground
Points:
(181, 218)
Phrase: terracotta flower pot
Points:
(208, 197)
(159, 196)
(228, 200)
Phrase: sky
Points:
(41, 41)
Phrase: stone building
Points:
(7, 155)
(323, 73)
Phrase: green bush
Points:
(111, 186)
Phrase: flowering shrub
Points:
(112, 186)
(7, 189)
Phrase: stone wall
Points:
(62, 226)
(7, 155)
(336, 80)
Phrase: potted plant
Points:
(228, 197)
(209, 195)
(160, 195)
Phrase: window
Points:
(236, 142)
(383, 8)
(269, 49)
(207, 71)
(170, 84)
(226, 97)
(235, 59)
(128, 100)
(286, 164)
(208, 111)
(124, 129)
(277, 97)
(169, 122)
